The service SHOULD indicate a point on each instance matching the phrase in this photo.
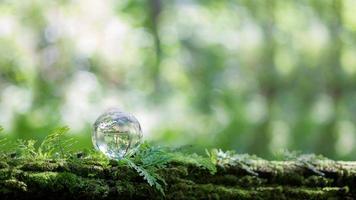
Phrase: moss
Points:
(317, 181)
(122, 173)
(232, 180)
(41, 166)
(3, 165)
(41, 180)
(67, 183)
(86, 170)
(13, 185)
(207, 191)
(317, 193)
(173, 173)
(125, 189)
(5, 174)
(90, 179)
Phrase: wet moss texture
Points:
(91, 179)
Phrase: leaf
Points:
(3, 143)
(26, 148)
(150, 176)
(153, 156)
(147, 161)
(55, 144)
(4, 140)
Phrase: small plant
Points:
(147, 161)
(26, 149)
(53, 146)
(3, 141)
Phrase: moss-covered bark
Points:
(89, 179)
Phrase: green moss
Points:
(317, 193)
(68, 183)
(12, 185)
(207, 191)
(5, 174)
(210, 191)
(3, 165)
(125, 189)
(86, 170)
(233, 180)
(41, 180)
(90, 179)
(41, 165)
(317, 181)
(174, 173)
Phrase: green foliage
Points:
(3, 141)
(149, 174)
(26, 149)
(150, 156)
(55, 144)
(147, 161)
(150, 159)
(93, 155)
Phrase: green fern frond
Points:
(55, 144)
(3, 143)
(148, 174)
(152, 157)
(147, 161)
(26, 149)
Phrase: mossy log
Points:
(88, 179)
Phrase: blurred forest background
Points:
(253, 76)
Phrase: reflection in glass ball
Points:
(117, 134)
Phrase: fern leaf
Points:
(3, 143)
(26, 148)
(153, 156)
(149, 175)
(55, 143)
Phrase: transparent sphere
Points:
(117, 134)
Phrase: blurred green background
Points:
(248, 75)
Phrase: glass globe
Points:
(117, 134)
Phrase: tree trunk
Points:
(88, 179)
